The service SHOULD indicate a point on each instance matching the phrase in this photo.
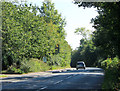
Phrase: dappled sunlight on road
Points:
(90, 78)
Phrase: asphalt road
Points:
(88, 79)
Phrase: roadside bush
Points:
(24, 67)
(35, 65)
(13, 69)
(56, 59)
(54, 67)
(59, 60)
(112, 74)
(32, 65)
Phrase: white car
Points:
(80, 64)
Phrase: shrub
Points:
(32, 65)
(35, 65)
(112, 74)
(14, 69)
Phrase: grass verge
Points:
(33, 65)
(2, 76)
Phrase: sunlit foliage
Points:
(33, 32)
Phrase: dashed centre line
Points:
(68, 77)
(58, 82)
(43, 88)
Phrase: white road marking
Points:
(69, 77)
(43, 87)
(58, 82)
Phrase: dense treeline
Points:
(106, 24)
(87, 51)
(33, 32)
(104, 45)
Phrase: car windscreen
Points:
(80, 64)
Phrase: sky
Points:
(75, 17)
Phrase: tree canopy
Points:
(106, 24)
(104, 41)
(33, 32)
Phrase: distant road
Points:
(91, 78)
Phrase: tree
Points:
(31, 32)
(107, 27)
(86, 52)
(82, 31)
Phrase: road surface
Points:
(88, 79)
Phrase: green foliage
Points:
(109, 63)
(32, 32)
(82, 31)
(63, 58)
(2, 76)
(106, 38)
(107, 27)
(14, 69)
(112, 74)
(86, 52)
(54, 67)
(35, 65)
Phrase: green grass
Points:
(2, 76)
(36, 65)
(33, 65)
(59, 67)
